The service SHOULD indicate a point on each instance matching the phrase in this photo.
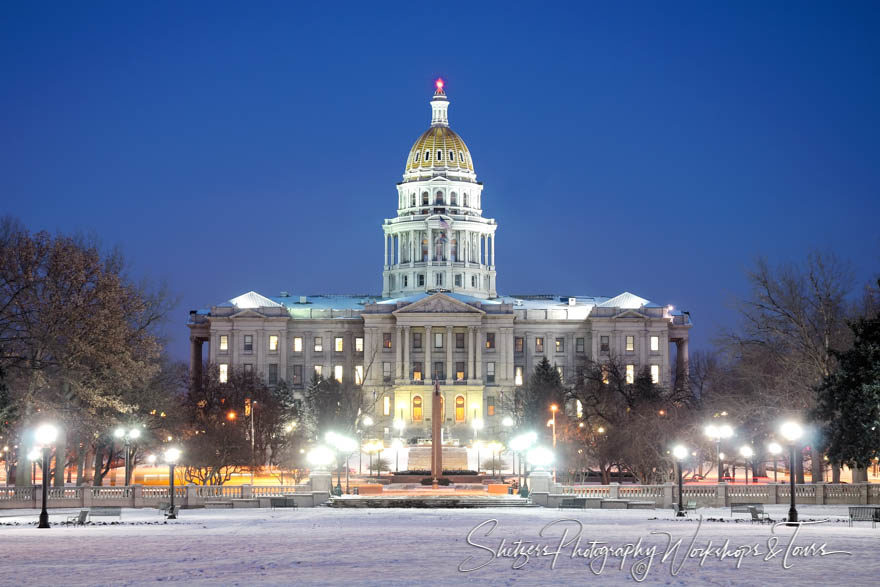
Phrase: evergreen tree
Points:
(848, 400)
(544, 389)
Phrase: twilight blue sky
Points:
(649, 147)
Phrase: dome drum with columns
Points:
(439, 240)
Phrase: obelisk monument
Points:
(436, 435)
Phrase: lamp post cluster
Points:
(344, 446)
(128, 436)
(520, 445)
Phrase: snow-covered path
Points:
(405, 547)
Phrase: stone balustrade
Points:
(545, 492)
(311, 494)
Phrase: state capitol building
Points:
(439, 316)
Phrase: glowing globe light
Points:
(775, 448)
(46, 434)
(747, 452)
(792, 431)
(680, 452)
(320, 456)
(172, 455)
(540, 457)
(439, 84)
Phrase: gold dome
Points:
(439, 149)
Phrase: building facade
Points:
(439, 317)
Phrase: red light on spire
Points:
(439, 83)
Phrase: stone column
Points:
(493, 250)
(407, 337)
(195, 360)
(450, 367)
(399, 247)
(428, 343)
(478, 348)
(430, 234)
(469, 343)
(385, 248)
(681, 362)
(398, 356)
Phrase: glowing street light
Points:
(792, 432)
(127, 436)
(520, 444)
(171, 456)
(680, 452)
(46, 435)
(540, 457)
(719, 432)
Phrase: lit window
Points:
(224, 342)
(319, 344)
(386, 340)
(561, 373)
(417, 406)
(359, 344)
(490, 340)
(337, 373)
(319, 370)
(459, 371)
(224, 372)
(459, 340)
(248, 343)
(630, 373)
(273, 342)
(438, 340)
(490, 372)
(579, 408)
(358, 374)
(655, 343)
(539, 344)
(517, 375)
(386, 405)
(273, 373)
(297, 344)
(655, 373)
(459, 408)
(297, 375)
(338, 344)
(560, 345)
(630, 343)
(518, 344)
(417, 371)
(604, 346)
(579, 345)
(490, 406)
(386, 371)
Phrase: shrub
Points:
(441, 481)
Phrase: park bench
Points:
(756, 510)
(105, 511)
(287, 501)
(78, 520)
(573, 503)
(690, 505)
(164, 507)
(864, 513)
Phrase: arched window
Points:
(453, 245)
(459, 408)
(461, 156)
(427, 155)
(425, 198)
(425, 249)
(465, 201)
(438, 197)
(439, 155)
(452, 156)
(453, 199)
(412, 200)
(417, 408)
(417, 157)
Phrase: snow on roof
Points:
(625, 300)
(252, 299)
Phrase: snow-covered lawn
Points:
(405, 547)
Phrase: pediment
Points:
(630, 314)
(438, 303)
(247, 313)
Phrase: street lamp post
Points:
(717, 433)
(172, 455)
(33, 456)
(554, 408)
(792, 432)
(46, 434)
(397, 444)
(680, 453)
(747, 454)
(775, 449)
(127, 437)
